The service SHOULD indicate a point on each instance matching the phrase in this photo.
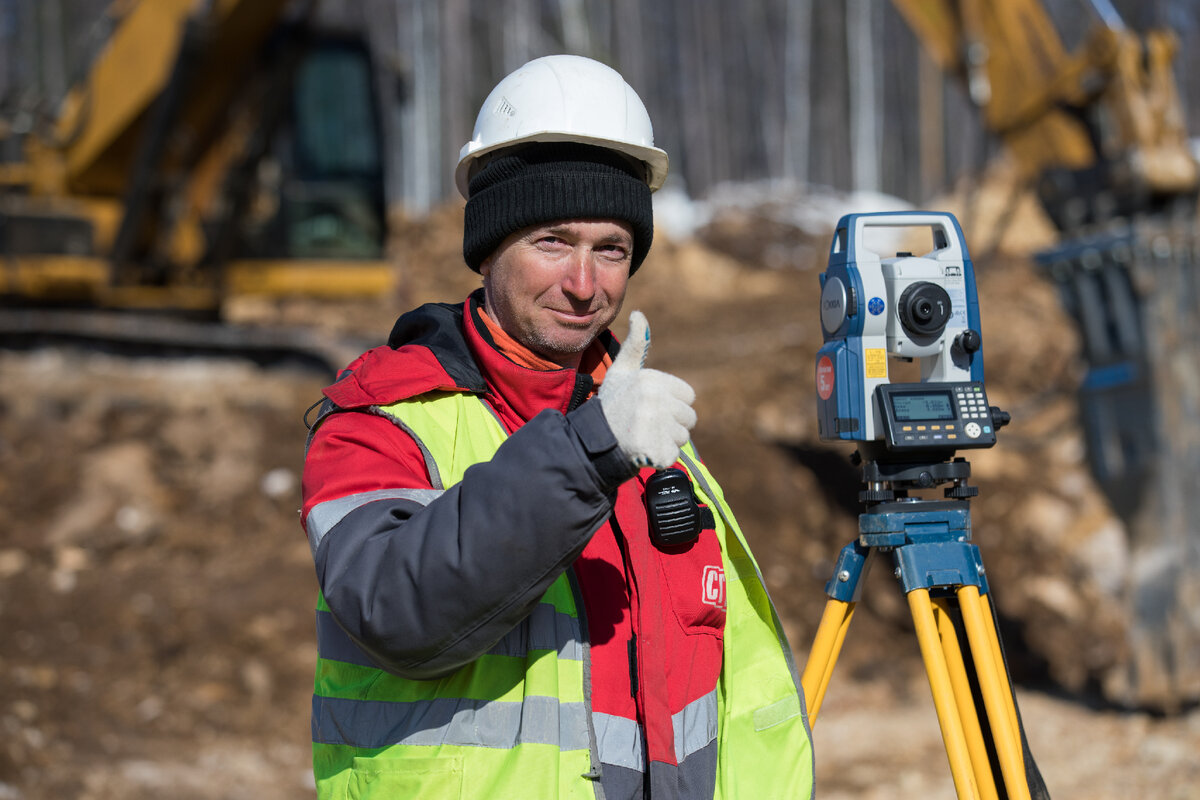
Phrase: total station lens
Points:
(924, 309)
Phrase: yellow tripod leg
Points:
(1004, 734)
(998, 658)
(827, 644)
(943, 695)
(967, 713)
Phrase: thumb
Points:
(633, 350)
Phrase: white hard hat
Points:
(564, 99)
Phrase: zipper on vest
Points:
(631, 645)
(633, 671)
(583, 387)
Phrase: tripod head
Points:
(890, 480)
(890, 472)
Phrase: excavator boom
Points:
(1099, 133)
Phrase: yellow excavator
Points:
(1099, 134)
(213, 150)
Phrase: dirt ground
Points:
(156, 590)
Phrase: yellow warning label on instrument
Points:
(875, 362)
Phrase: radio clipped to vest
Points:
(676, 518)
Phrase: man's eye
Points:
(614, 251)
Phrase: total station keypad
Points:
(973, 410)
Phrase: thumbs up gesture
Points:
(650, 412)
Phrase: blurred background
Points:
(207, 207)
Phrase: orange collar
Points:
(595, 360)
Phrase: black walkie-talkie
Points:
(675, 516)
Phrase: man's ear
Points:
(485, 266)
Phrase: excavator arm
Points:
(1110, 107)
(101, 131)
(1099, 133)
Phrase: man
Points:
(513, 602)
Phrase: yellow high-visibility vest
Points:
(515, 723)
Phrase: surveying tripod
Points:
(943, 576)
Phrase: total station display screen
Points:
(922, 406)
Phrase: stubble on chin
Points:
(547, 344)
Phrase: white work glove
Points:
(650, 412)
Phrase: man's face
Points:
(555, 287)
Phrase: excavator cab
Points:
(321, 184)
(211, 151)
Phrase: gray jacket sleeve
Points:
(424, 589)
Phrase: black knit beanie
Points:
(544, 182)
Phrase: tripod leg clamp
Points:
(926, 566)
(845, 585)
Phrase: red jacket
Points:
(424, 589)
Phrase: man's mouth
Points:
(574, 318)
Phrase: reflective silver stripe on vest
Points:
(620, 741)
(449, 721)
(324, 516)
(695, 726)
(544, 629)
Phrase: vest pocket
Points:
(695, 578)
(390, 778)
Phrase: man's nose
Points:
(580, 280)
